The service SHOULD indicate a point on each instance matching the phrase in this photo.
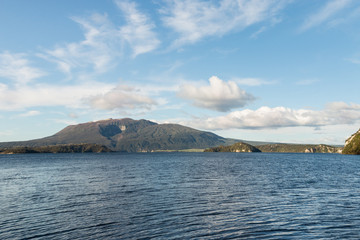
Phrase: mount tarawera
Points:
(130, 135)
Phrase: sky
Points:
(261, 70)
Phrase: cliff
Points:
(352, 144)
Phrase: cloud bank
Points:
(219, 95)
(122, 97)
(335, 113)
(48, 95)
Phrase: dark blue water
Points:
(179, 196)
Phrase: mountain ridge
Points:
(128, 135)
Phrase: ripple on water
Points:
(180, 196)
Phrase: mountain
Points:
(129, 135)
(352, 144)
(236, 147)
(299, 148)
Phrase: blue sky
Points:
(266, 70)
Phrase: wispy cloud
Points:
(49, 95)
(104, 42)
(17, 68)
(252, 81)
(279, 117)
(95, 52)
(219, 95)
(89, 95)
(139, 30)
(30, 113)
(353, 60)
(324, 14)
(194, 20)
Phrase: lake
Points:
(180, 196)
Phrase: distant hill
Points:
(299, 148)
(129, 135)
(236, 147)
(352, 144)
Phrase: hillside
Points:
(299, 148)
(129, 135)
(352, 144)
(62, 148)
(236, 147)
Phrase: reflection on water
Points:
(179, 196)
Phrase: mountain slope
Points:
(352, 144)
(130, 136)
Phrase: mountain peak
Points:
(129, 135)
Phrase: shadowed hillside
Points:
(62, 148)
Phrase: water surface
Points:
(180, 196)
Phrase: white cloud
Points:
(195, 19)
(219, 95)
(65, 121)
(17, 68)
(265, 117)
(329, 10)
(139, 30)
(251, 81)
(96, 51)
(30, 113)
(104, 41)
(121, 97)
(45, 95)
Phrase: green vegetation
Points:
(63, 148)
(237, 147)
(299, 148)
(352, 145)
